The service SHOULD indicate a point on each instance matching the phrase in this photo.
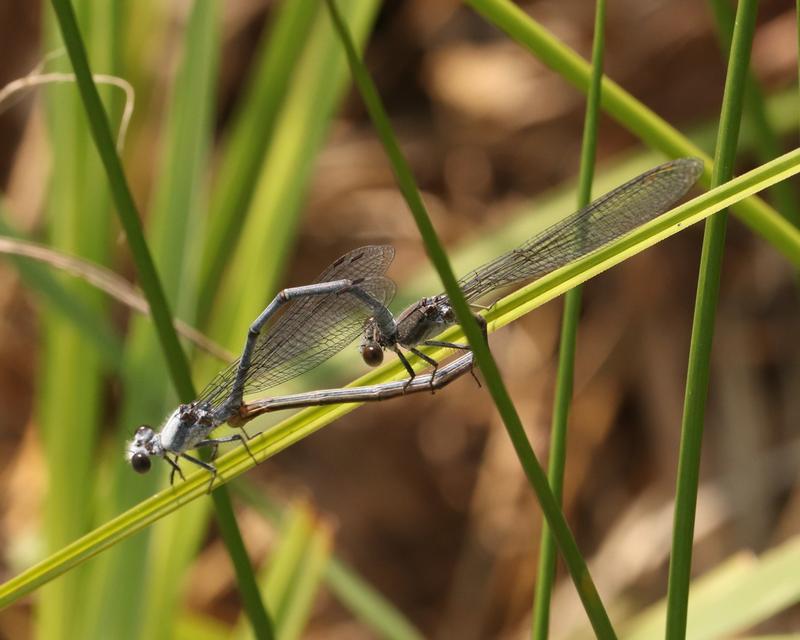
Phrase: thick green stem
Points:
(568, 343)
(703, 329)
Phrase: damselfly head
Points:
(145, 444)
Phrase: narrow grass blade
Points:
(703, 328)
(378, 613)
(126, 209)
(629, 112)
(309, 582)
(176, 359)
(318, 81)
(249, 591)
(296, 531)
(567, 344)
(70, 381)
(307, 422)
(256, 263)
(766, 142)
(250, 138)
(176, 216)
(29, 256)
(736, 595)
(192, 626)
(536, 476)
(95, 330)
(294, 573)
(354, 593)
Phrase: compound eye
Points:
(372, 354)
(142, 429)
(140, 462)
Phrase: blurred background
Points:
(423, 497)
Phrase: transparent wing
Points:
(607, 218)
(310, 330)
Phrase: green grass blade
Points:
(308, 421)
(70, 392)
(372, 608)
(296, 531)
(307, 581)
(534, 472)
(126, 209)
(546, 571)
(294, 573)
(245, 578)
(175, 215)
(256, 264)
(552, 285)
(734, 596)
(95, 329)
(316, 85)
(177, 220)
(192, 626)
(703, 328)
(629, 112)
(375, 611)
(260, 621)
(251, 133)
(151, 285)
(766, 142)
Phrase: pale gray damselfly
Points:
(319, 321)
(604, 220)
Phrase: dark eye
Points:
(142, 429)
(140, 462)
(372, 354)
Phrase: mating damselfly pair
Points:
(304, 326)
